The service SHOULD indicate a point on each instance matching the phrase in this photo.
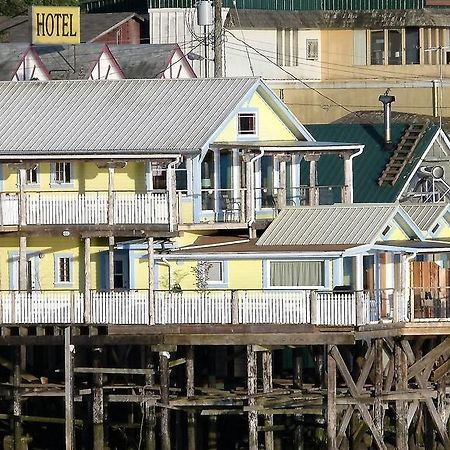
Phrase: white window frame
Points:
(219, 283)
(247, 135)
(57, 183)
(267, 281)
(29, 171)
(58, 257)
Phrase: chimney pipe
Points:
(387, 100)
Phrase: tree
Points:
(20, 7)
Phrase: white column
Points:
(358, 271)
(347, 194)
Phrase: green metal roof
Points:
(368, 166)
(274, 5)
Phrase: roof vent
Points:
(387, 100)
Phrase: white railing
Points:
(71, 208)
(119, 308)
(336, 308)
(278, 307)
(211, 307)
(193, 307)
(41, 307)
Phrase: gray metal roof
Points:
(10, 57)
(425, 215)
(143, 60)
(329, 225)
(265, 19)
(69, 62)
(115, 117)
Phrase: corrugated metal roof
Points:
(329, 225)
(368, 166)
(425, 215)
(131, 116)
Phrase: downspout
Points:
(164, 262)
(172, 189)
(353, 155)
(251, 198)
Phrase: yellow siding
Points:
(270, 127)
(245, 274)
(397, 234)
(444, 231)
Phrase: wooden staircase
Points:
(402, 153)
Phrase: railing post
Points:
(234, 307)
(411, 304)
(361, 318)
(314, 308)
(395, 306)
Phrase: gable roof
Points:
(69, 62)
(17, 29)
(376, 18)
(146, 60)
(425, 215)
(368, 166)
(116, 116)
(329, 224)
(10, 57)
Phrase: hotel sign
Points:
(55, 25)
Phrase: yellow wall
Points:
(270, 127)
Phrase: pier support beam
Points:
(401, 406)
(331, 400)
(98, 402)
(267, 388)
(68, 393)
(17, 400)
(190, 392)
(150, 415)
(379, 374)
(252, 390)
(164, 393)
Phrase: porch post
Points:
(22, 204)
(347, 192)
(151, 266)
(172, 194)
(313, 190)
(250, 183)
(87, 279)
(110, 194)
(111, 262)
(281, 193)
(23, 263)
(358, 267)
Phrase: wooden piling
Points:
(267, 388)
(190, 392)
(331, 400)
(17, 401)
(401, 406)
(149, 409)
(379, 375)
(98, 402)
(252, 390)
(164, 393)
(68, 390)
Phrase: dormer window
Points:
(247, 124)
(386, 231)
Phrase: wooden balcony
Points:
(277, 307)
(72, 208)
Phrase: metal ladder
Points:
(402, 153)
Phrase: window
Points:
(377, 47)
(394, 47)
(296, 273)
(31, 175)
(63, 269)
(215, 272)
(412, 46)
(385, 232)
(247, 123)
(312, 49)
(63, 173)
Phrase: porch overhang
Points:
(292, 147)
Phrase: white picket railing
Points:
(200, 307)
(71, 208)
(336, 308)
(41, 307)
(193, 307)
(277, 307)
(119, 308)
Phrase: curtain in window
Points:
(296, 273)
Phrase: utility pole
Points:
(218, 69)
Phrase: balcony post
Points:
(151, 292)
(360, 317)
(22, 204)
(281, 192)
(252, 368)
(347, 194)
(87, 279)
(111, 194)
(314, 308)
(234, 307)
(313, 158)
(172, 193)
(111, 262)
(23, 263)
